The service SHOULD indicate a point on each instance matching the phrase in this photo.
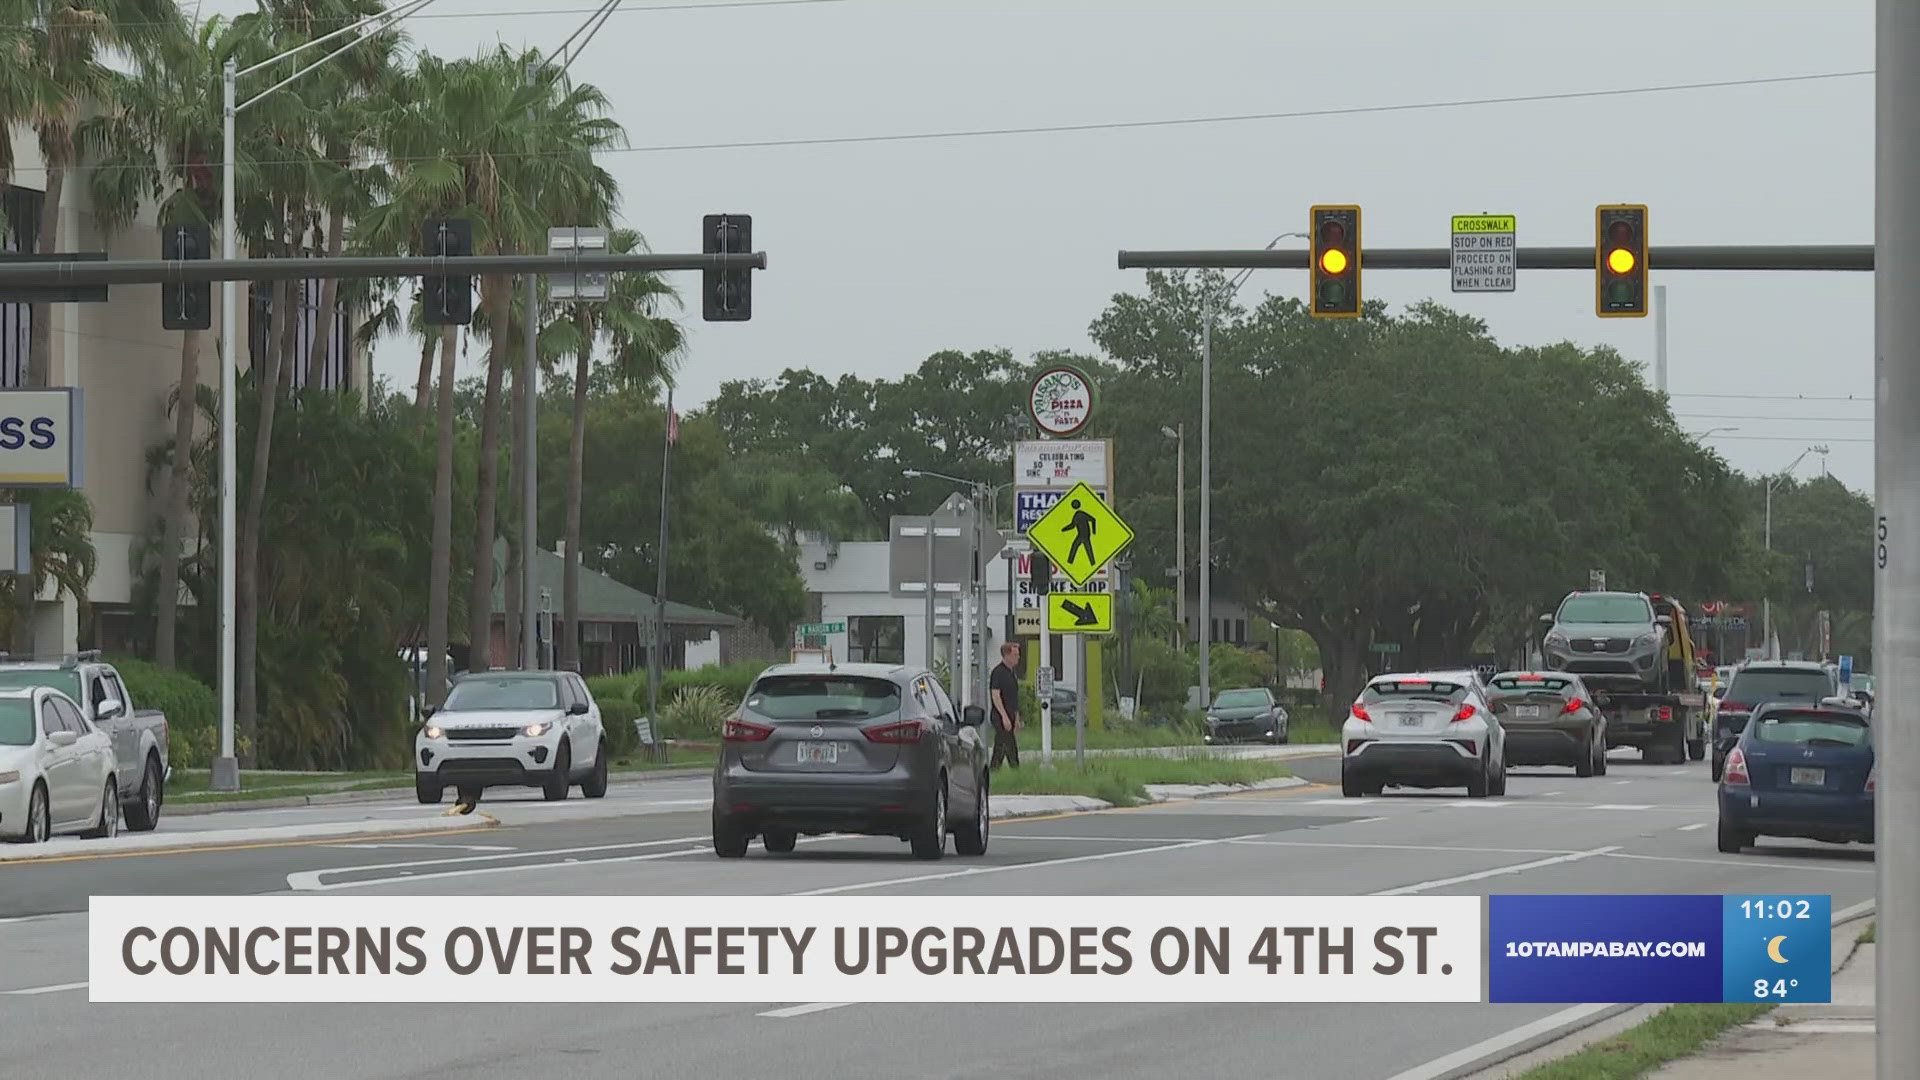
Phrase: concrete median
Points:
(160, 841)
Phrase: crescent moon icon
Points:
(1773, 950)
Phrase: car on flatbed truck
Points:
(139, 736)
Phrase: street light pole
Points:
(1766, 602)
(1179, 435)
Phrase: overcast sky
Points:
(882, 252)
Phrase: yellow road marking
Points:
(246, 847)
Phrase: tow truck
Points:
(1667, 727)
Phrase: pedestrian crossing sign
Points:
(1080, 534)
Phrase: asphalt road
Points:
(1640, 829)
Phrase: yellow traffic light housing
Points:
(1620, 262)
(1334, 236)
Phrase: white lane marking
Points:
(1340, 802)
(1477, 804)
(1624, 806)
(1098, 839)
(809, 1007)
(1036, 865)
(1443, 1066)
(1736, 860)
(1623, 781)
(310, 879)
(1498, 871)
(1695, 825)
(436, 847)
(1358, 821)
(47, 989)
(20, 918)
(1408, 847)
(1550, 794)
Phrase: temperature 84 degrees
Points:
(1778, 988)
(1324, 950)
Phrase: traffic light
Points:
(1335, 242)
(446, 301)
(1620, 262)
(1039, 573)
(186, 305)
(726, 295)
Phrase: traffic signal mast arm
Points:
(1788, 257)
(165, 271)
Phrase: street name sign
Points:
(1484, 257)
(1080, 613)
(1080, 534)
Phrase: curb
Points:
(152, 843)
(347, 798)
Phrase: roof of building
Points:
(602, 599)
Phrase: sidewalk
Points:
(1833, 1041)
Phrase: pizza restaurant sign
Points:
(1061, 401)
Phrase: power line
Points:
(1864, 400)
(323, 22)
(1781, 419)
(1780, 438)
(1120, 125)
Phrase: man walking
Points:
(1004, 692)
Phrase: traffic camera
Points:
(726, 295)
(186, 305)
(1335, 271)
(446, 300)
(1620, 262)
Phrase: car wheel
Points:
(971, 838)
(1498, 785)
(1719, 764)
(1586, 767)
(470, 795)
(146, 809)
(729, 840)
(595, 785)
(1696, 749)
(1599, 754)
(39, 817)
(1479, 783)
(930, 838)
(427, 791)
(778, 841)
(556, 786)
(108, 826)
(1350, 785)
(1733, 841)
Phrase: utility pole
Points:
(931, 529)
(1178, 434)
(1896, 623)
(655, 662)
(1206, 501)
(530, 483)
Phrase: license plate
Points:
(1526, 710)
(1807, 777)
(822, 752)
(1410, 719)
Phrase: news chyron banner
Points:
(755, 949)
(1639, 948)
(785, 948)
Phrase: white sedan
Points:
(56, 769)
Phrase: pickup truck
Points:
(139, 736)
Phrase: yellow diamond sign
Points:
(1080, 534)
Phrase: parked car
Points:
(1425, 731)
(57, 770)
(1799, 770)
(138, 736)
(537, 729)
(873, 749)
(1761, 682)
(1550, 719)
(1251, 713)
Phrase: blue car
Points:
(1799, 770)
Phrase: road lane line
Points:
(434, 847)
(809, 1007)
(1543, 1029)
(1737, 860)
(974, 871)
(210, 849)
(1498, 871)
(301, 880)
(1408, 847)
(1624, 806)
(1695, 825)
(46, 989)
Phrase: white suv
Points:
(512, 729)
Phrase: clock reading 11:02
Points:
(1776, 909)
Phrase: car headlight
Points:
(1645, 640)
(432, 731)
(10, 776)
(1556, 641)
(539, 729)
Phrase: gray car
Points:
(872, 749)
(1550, 719)
(1612, 640)
(1250, 713)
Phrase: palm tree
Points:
(646, 348)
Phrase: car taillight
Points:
(739, 730)
(1360, 712)
(1466, 712)
(903, 731)
(1574, 705)
(1734, 706)
(1736, 768)
(1872, 772)
(1666, 713)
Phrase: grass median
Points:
(1673, 1033)
(1122, 781)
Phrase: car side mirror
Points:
(1719, 692)
(578, 708)
(63, 738)
(110, 708)
(1547, 619)
(973, 716)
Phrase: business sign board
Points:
(1062, 463)
(41, 437)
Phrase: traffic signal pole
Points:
(1659, 259)
(1896, 623)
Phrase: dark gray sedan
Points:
(872, 749)
(1238, 715)
(1550, 719)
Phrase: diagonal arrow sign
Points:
(1083, 616)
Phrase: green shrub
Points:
(695, 713)
(618, 714)
(192, 710)
(603, 687)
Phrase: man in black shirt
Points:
(1004, 696)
